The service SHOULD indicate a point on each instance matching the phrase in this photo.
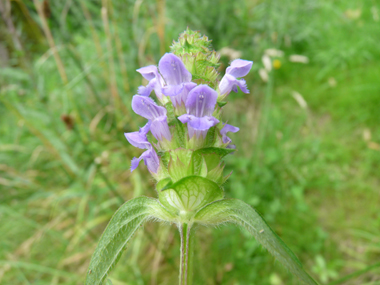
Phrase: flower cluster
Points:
(188, 116)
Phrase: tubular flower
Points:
(150, 159)
(228, 128)
(173, 80)
(200, 105)
(156, 82)
(230, 82)
(139, 139)
(186, 126)
(148, 109)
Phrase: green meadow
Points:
(308, 149)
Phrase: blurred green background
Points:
(308, 148)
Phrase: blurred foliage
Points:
(66, 80)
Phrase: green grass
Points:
(310, 172)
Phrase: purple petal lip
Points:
(230, 83)
(173, 90)
(228, 128)
(145, 90)
(239, 68)
(139, 139)
(150, 159)
(148, 72)
(147, 108)
(201, 101)
(173, 70)
(199, 123)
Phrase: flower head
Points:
(188, 116)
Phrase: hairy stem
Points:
(186, 267)
(182, 262)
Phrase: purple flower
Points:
(181, 97)
(177, 77)
(238, 68)
(147, 108)
(139, 139)
(200, 105)
(173, 70)
(173, 80)
(155, 81)
(227, 128)
(150, 159)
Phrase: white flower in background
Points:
(267, 62)
(299, 58)
(300, 100)
(375, 13)
(272, 52)
(230, 53)
(263, 74)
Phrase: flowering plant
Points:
(185, 141)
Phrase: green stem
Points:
(186, 266)
(182, 262)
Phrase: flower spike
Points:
(186, 161)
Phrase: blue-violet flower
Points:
(238, 68)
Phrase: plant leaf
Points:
(119, 231)
(240, 213)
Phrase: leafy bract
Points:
(119, 231)
(190, 194)
(240, 213)
(212, 156)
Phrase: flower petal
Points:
(239, 68)
(150, 159)
(181, 97)
(139, 139)
(173, 70)
(228, 128)
(172, 90)
(147, 108)
(199, 123)
(201, 101)
(153, 84)
(149, 72)
(145, 90)
(160, 128)
(230, 83)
